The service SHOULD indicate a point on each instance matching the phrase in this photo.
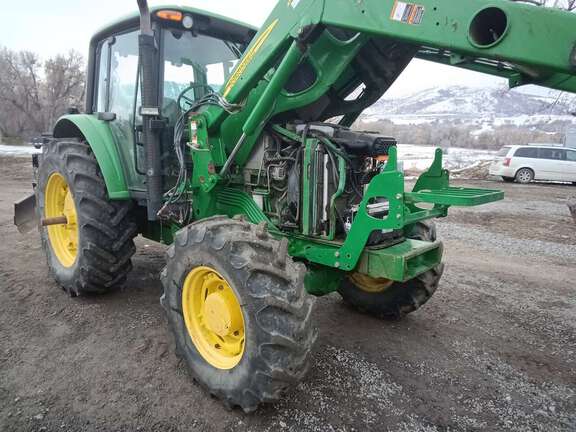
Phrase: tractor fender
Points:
(98, 135)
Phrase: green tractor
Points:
(234, 146)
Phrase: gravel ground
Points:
(487, 240)
(494, 350)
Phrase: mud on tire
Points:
(105, 229)
(275, 307)
(400, 298)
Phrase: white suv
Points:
(525, 163)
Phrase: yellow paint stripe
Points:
(248, 57)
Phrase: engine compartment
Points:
(310, 178)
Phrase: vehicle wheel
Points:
(238, 310)
(508, 179)
(524, 175)
(89, 253)
(384, 298)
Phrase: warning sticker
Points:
(409, 13)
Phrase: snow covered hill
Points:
(471, 105)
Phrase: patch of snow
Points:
(419, 158)
(16, 150)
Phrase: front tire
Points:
(238, 310)
(90, 253)
(393, 300)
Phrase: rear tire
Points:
(100, 262)
(524, 175)
(394, 300)
(275, 309)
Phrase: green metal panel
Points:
(232, 202)
(320, 281)
(457, 196)
(97, 133)
(400, 262)
(445, 24)
(308, 181)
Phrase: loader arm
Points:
(312, 55)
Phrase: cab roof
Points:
(236, 28)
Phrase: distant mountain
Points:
(472, 105)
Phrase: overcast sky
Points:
(52, 27)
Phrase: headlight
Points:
(187, 22)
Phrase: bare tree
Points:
(33, 94)
(19, 92)
(64, 84)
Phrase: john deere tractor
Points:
(236, 148)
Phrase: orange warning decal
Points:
(408, 13)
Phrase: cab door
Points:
(118, 95)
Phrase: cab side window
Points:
(571, 155)
(117, 75)
(123, 72)
(102, 77)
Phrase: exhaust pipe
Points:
(150, 111)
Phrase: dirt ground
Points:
(495, 349)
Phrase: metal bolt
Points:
(336, 264)
(336, 254)
(398, 196)
(398, 216)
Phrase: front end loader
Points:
(235, 148)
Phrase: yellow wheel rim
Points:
(213, 317)
(58, 201)
(370, 284)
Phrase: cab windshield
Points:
(199, 63)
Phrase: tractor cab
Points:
(196, 54)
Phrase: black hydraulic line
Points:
(233, 154)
